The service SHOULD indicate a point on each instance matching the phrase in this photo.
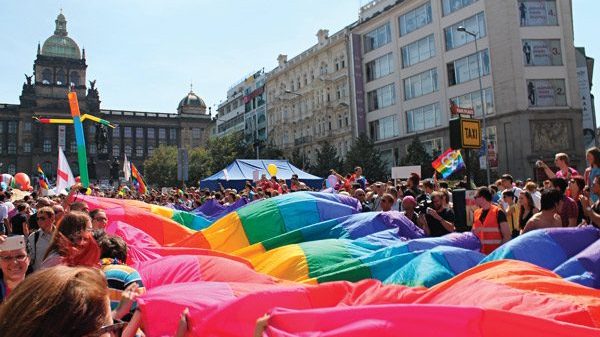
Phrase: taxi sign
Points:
(470, 131)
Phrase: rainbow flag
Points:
(138, 180)
(448, 163)
(43, 180)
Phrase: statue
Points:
(114, 169)
(101, 138)
(92, 85)
(28, 79)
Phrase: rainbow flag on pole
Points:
(138, 180)
(43, 180)
(448, 163)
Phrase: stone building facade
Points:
(60, 66)
(409, 60)
(308, 98)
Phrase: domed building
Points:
(60, 65)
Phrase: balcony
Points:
(302, 140)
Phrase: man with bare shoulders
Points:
(548, 215)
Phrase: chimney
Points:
(322, 35)
(282, 59)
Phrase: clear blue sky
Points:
(145, 53)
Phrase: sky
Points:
(145, 53)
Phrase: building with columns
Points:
(308, 98)
(409, 61)
(59, 66)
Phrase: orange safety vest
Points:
(489, 235)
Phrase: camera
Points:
(423, 206)
(539, 163)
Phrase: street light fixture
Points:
(479, 66)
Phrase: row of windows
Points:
(418, 51)
(380, 67)
(467, 68)
(139, 132)
(381, 98)
(384, 128)
(475, 24)
(60, 77)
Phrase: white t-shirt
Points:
(3, 211)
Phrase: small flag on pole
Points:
(126, 168)
(138, 180)
(64, 175)
(448, 163)
(43, 180)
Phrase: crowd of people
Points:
(78, 273)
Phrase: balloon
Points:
(331, 181)
(22, 181)
(7, 179)
(272, 169)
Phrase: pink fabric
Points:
(415, 320)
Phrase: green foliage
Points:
(364, 154)
(271, 152)
(327, 159)
(416, 155)
(224, 150)
(200, 165)
(161, 167)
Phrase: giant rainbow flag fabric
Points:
(317, 266)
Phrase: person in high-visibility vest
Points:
(489, 223)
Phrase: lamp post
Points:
(479, 66)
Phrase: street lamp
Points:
(479, 66)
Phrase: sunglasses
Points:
(115, 329)
(18, 258)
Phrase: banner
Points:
(448, 163)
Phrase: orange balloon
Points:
(22, 181)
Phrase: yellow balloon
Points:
(272, 169)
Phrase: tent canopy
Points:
(237, 173)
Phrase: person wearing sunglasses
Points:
(60, 301)
(39, 241)
(72, 243)
(13, 267)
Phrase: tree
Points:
(161, 167)
(271, 152)
(296, 158)
(417, 155)
(364, 154)
(200, 165)
(224, 150)
(327, 159)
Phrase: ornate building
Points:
(59, 65)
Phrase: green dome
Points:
(59, 44)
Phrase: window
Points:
(150, 150)
(472, 100)
(538, 13)
(91, 148)
(380, 67)
(75, 79)
(27, 147)
(418, 51)
(384, 128)
(467, 68)
(546, 93)
(1, 127)
(139, 151)
(116, 150)
(73, 146)
(47, 146)
(12, 147)
(92, 129)
(420, 84)
(12, 127)
(196, 133)
(150, 132)
(127, 131)
(433, 146)
(128, 150)
(451, 6)
(415, 19)
(378, 37)
(381, 98)
(423, 118)
(60, 77)
(116, 132)
(46, 76)
(139, 133)
(27, 126)
(474, 24)
(12, 169)
(542, 53)
(162, 133)
(173, 134)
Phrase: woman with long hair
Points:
(576, 187)
(72, 243)
(60, 301)
(593, 158)
(527, 208)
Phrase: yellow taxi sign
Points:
(470, 130)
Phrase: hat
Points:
(409, 199)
